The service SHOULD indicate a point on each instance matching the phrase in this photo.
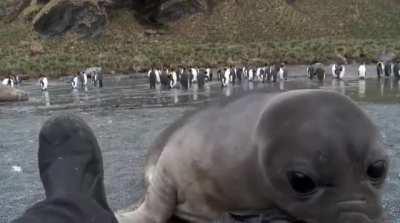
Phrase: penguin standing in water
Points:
(338, 71)
(274, 72)
(174, 78)
(208, 74)
(201, 78)
(267, 73)
(262, 74)
(251, 74)
(310, 72)
(75, 81)
(18, 80)
(219, 75)
(333, 69)
(184, 79)
(380, 68)
(316, 69)
(164, 79)
(362, 71)
(83, 79)
(226, 77)
(239, 75)
(258, 74)
(44, 83)
(282, 72)
(342, 71)
(232, 75)
(152, 78)
(319, 71)
(396, 70)
(195, 74)
(388, 69)
(8, 82)
(270, 71)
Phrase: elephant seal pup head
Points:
(323, 161)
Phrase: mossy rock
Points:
(84, 17)
(8, 94)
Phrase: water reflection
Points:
(339, 85)
(46, 98)
(127, 93)
(282, 85)
(176, 96)
(385, 90)
(361, 88)
(251, 85)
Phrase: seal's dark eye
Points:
(376, 170)
(301, 183)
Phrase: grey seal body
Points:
(313, 154)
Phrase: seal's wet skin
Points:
(71, 170)
(313, 154)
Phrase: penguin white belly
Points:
(5, 82)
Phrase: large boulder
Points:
(84, 17)
(176, 9)
(8, 94)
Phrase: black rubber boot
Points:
(70, 160)
(71, 169)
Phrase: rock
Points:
(84, 17)
(173, 10)
(36, 48)
(3, 12)
(8, 94)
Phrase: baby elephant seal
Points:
(313, 154)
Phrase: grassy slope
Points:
(247, 31)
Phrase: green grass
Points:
(232, 34)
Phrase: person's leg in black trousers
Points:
(71, 170)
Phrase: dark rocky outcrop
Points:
(87, 18)
(84, 17)
(163, 11)
(8, 94)
(176, 9)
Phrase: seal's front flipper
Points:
(159, 203)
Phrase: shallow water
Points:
(126, 116)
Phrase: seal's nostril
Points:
(360, 206)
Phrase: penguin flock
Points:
(91, 75)
(11, 80)
(94, 75)
(185, 77)
(338, 70)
